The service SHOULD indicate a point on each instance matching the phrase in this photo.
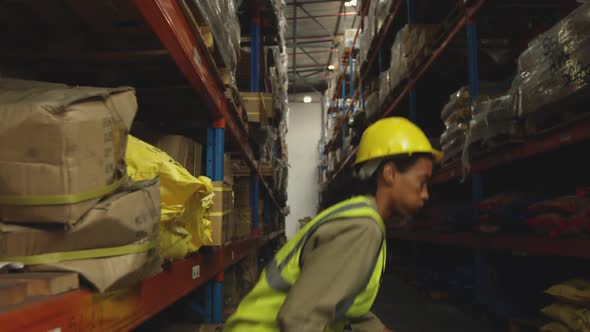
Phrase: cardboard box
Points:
(259, 106)
(221, 213)
(243, 226)
(62, 148)
(184, 150)
(111, 273)
(224, 197)
(123, 218)
(220, 227)
(242, 192)
(228, 174)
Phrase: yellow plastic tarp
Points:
(575, 291)
(184, 226)
(555, 327)
(576, 318)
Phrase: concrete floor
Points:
(404, 309)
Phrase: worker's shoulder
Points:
(364, 225)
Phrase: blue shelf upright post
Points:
(214, 170)
(482, 288)
(412, 94)
(255, 47)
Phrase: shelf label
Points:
(196, 271)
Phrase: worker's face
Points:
(409, 190)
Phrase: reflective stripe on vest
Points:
(273, 270)
(259, 310)
(274, 276)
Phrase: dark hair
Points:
(403, 163)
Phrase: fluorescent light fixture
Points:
(331, 67)
(307, 99)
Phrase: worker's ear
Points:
(389, 173)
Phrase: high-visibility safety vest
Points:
(259, 310)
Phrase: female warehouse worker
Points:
(328, 275)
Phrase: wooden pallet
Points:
(235, 99)
(200, 27)
(196, 22)
(15, 288)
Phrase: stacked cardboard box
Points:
(183, 150)
(63, 192)
(222, 212)
(259, 106)
(243, 206)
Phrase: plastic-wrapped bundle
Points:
(453, 148)
(411, 42)
(456, 115)
(366, 37)
(382, 11)
(372, 104)
(221, 17)
(494, 117)
(556, 65)
(457, 109)
(454, 132)
(384, 87)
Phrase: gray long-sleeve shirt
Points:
(336, 261)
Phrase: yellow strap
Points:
(57, 257)
(61, 199)
(220, 214)
(220, 189)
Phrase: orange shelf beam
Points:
(83, 310)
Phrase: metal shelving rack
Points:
(539, 144)
(83, 310)
(407, 88)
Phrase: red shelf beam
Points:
(83, 310)
(550, 141)
(524, 245)
(168, 22)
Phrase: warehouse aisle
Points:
(404, 309)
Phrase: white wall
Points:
(302, 139)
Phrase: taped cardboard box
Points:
(221, 213)
(62, 148)
(259, 106)
(223, 200)
(183, 150)
(242, 195)
(243, 224)
(220, 228)
(228, 174)
(127, 216)
(113, 272)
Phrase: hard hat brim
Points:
(436, 154)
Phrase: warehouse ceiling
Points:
(313, 28)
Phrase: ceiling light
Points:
(348, 4)
(331, 67)
(307, 99)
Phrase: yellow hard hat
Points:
(393, 136)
